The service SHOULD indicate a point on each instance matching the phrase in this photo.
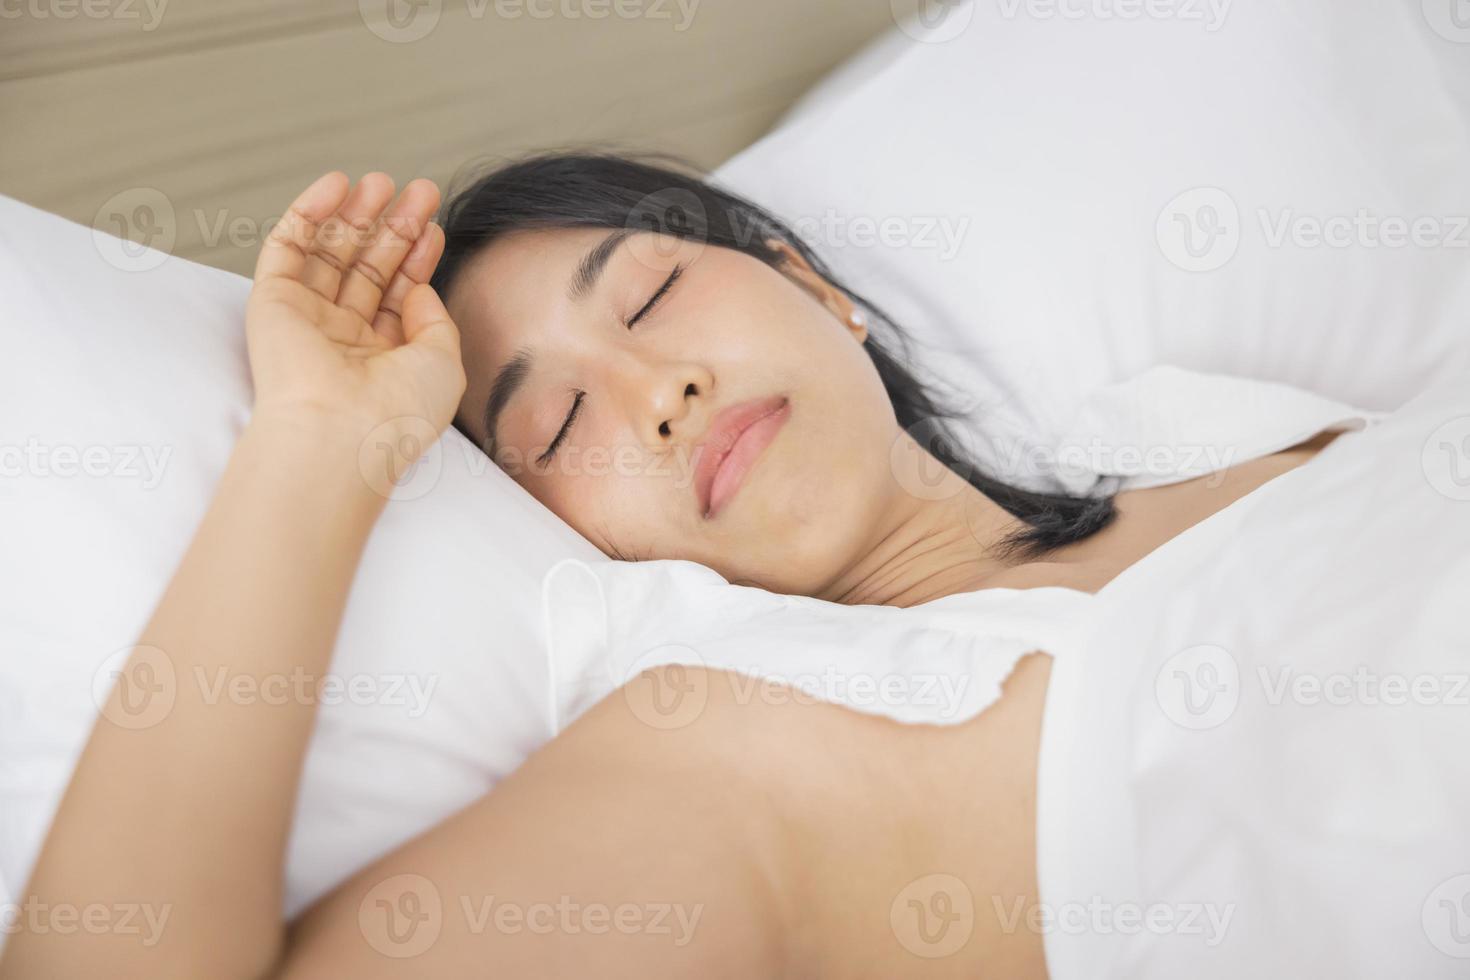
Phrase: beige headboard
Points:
(213, 113)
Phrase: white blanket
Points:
(1256, 762)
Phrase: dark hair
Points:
(600, 189)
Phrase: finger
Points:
(343, 234)
(426, 323)
(417, 267)
(431, 355)
(284, 252)
(372, 273)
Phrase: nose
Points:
(664, 401)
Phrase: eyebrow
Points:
(513, 373)
(508, 380)
(592, 264)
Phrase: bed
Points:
(1111, 194)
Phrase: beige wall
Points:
(192, 122)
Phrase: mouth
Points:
(730, 449)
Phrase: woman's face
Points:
(737, 421)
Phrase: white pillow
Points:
(1013, 183)
(121, 394)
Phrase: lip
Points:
(732, 445)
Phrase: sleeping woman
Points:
(555, 310)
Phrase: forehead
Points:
(513, 292)
(520, 272)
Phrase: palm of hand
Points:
(341, 325)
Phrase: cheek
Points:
(574, 496)
(776, 333)
(619, 495)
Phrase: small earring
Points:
(857, 318)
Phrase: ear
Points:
(799, 271)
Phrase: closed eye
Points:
(566, 427)
(576, 408)
(654, 299)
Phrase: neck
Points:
(937, 538)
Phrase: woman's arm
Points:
(187, 816)
(619, 850)
(181, 802)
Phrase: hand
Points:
(345, 335)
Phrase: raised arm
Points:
(183, 807)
